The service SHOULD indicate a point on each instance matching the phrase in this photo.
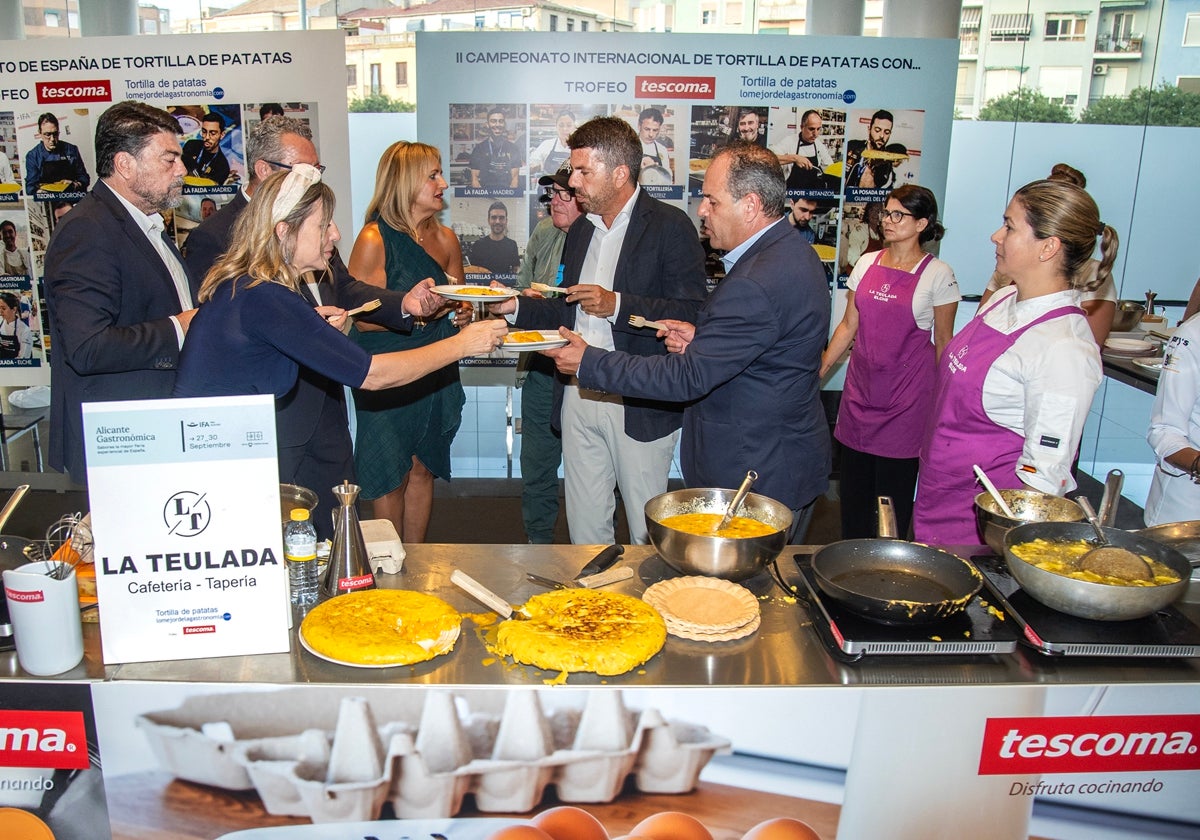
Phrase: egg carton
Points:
(433, 749)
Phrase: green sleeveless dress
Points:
(420, 418)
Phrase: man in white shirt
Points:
(629, 255)
(119, 297)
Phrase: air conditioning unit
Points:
(1099, 69)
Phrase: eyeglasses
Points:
(561, 194)
(318, 166)
(893, 216)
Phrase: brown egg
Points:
(671, 825)
(521, 831)
(568, 823)
(782, 828)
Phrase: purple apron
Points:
(889, 381)
(961, 434)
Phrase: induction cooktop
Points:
(1167, 633)
(982, 628)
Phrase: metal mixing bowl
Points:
(722, 557)
(1127, 315)
(293, 496)
(1028, 505)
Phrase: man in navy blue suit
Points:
(747, 369)
(118, 294)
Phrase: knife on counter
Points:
(595, 573)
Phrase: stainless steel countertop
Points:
(784, 651)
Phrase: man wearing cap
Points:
(541, 444)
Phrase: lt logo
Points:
(186, 514)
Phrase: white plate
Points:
(549, 341)
(459, 829)
(1129, 346)
(1150, 364)
(304, 644)
(461, 293)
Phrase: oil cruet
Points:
(349, 566)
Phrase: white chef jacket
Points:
(1042, 387)
(1175, 425)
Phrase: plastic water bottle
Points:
(300, 554)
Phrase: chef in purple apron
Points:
(899, 314)
(1014, 386)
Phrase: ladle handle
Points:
(1092, 519)
(1111, 498)
(887, 518)
(995, 494)
(481, 593)
(738, 498)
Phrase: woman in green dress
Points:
(404, 434)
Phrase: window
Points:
(583, 26)
(571, 28)
(1191, 31)
(401, 74)
(734, 14)
(708, 16)
(1188, 84)
(479, 25)
(1065, 27)
(553, 23)
(53, 19)
(1061, 85)
(999, 82)
(351, 75)
(1122, 26)
(1010, 27)
(376, 78)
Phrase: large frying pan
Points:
(892, 581)
(1097, 601)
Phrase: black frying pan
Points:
(892, 581)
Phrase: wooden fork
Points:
(639, 322)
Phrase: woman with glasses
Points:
(899, 316)
(404, 434)
(1014, 386)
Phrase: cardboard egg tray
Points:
(336, 756)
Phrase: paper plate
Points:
(459, 829)
(476, 294)
(547, 341)
(1129, 347)
(1154, 365)
(702, 605)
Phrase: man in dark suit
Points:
(637, 256)
(315, 450)
(748, 368)
(119, 296)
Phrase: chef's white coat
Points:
(1175, 425)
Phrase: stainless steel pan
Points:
(1096, 601)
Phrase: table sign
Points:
(185, 520)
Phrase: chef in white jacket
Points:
(1175, 430)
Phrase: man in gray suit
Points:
(118, 295)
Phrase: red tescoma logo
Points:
(99, 90)
(52, 740)
(676, 87)
(1114, 744)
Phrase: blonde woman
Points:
(254, 329)
(404, 434)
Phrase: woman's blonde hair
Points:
(1061, 209)
(254, 248)
(398, 180)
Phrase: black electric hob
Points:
(982, 628)
(1167, 633)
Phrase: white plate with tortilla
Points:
(528, 341)
(476, 294)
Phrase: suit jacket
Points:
(659, 274)
(297, 412)
(749, 377)
(109, 298)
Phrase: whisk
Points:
(68, 541)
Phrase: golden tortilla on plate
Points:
(381, 627)
(606, 633)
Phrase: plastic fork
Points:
(639, 322)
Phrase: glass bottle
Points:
(349, 566)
